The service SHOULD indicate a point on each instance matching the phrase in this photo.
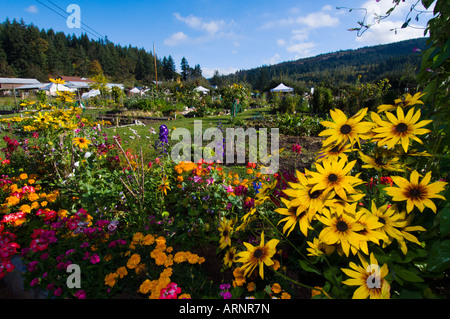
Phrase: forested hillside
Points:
(26, 51)
(397, 61)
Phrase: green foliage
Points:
(336, 69)
(322, 100)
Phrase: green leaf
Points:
(443, 56)
(413, 252)
(444, 215)
(439, 257)
(306, 266)
(237, 291)
(407, 275)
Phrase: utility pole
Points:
(156, 71)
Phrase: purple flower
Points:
(32, 266)
(34, 282)
(58, 291)
(85, 245)
(162, 140)
(80, 294)
(227, 295)
(225, 286)
(95, 259)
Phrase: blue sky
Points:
(225, 35)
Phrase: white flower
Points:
(87, 155)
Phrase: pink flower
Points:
(95, 259)
(227, 295)
(58, 291)
(228, 188)
(170, 292)
(34, 282)
(80, 294)
(296, 148)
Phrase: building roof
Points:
(73, 78)
(18, 81)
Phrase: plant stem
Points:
(301, 284)
(290, 243)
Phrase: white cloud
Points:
(389, 30)
(384, 32)
(32, 9)
(210, 27)
(302, 49)
(281, 42)
(176, 38)
(298, 43)
(318, 19)
(273, 60)
(299, 35)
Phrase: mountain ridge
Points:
(371, 62)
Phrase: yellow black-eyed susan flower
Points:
(407, 100)
(81, 142)
(369, 277)
(382, 159)
(345, 129)
(225, 229)
(341, 229)
(416, 193)
(257, 256)
(400, 129)
(334, 176)
(302, 196)
(230, 257)
(293, 215)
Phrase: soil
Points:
(291, 161)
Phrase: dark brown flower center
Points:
(225, 233)
(341, 226)
(379, 161)
(314, 194)
(401, 127)
(258, 253)
(332, 178)
(335, 149)
(81, 140)
(345, 129)
(415, 193)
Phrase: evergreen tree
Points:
(185, 69)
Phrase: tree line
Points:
(399, 62)
(28, 52)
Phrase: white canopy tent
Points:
(135, 90)
(201, 89)
(90, 94)
(77, 85)
(282, 88)
(53, 87)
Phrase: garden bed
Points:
(146, 227)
